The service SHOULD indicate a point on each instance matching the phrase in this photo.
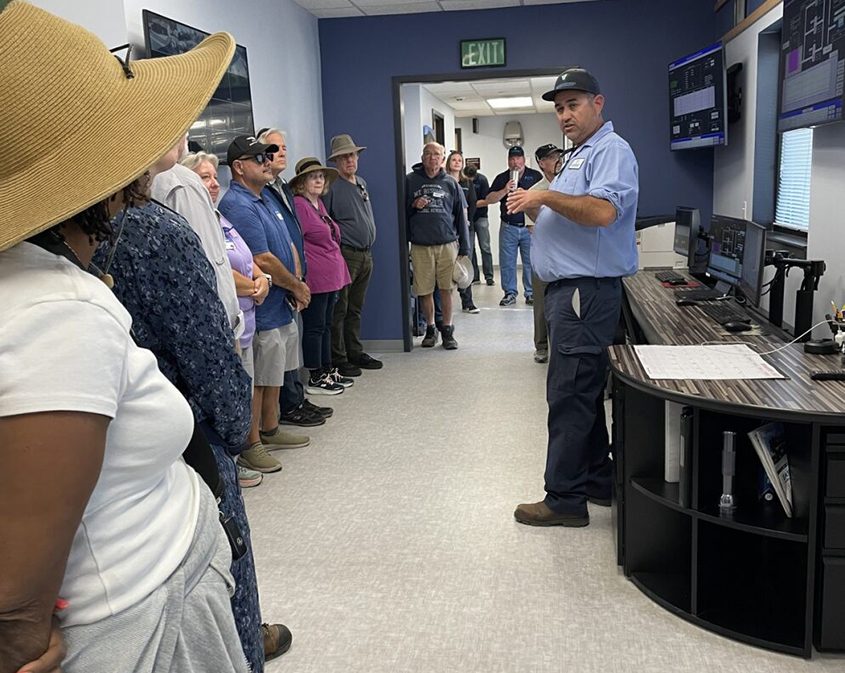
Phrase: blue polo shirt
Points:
(603, 167)
(262, 226)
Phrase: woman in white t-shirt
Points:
(97, 507)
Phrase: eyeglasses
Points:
(363, 189)
(332, 227)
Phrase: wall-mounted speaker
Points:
(475, 124)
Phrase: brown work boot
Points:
(539, 514)
(277, 640)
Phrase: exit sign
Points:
(486, 53)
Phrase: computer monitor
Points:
(698, 99)
(737, 255)
(687, 225)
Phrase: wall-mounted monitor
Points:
(229, 112)
(698, 100)
(812, 63)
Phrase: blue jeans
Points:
(577, 463)
(511, 240)
(317, 330)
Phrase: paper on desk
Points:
(731, 361)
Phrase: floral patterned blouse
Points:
(165, 281)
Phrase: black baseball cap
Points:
(516, 151)
(247, 146)
(573, 79)
(545, 150)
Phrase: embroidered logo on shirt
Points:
(575, 164)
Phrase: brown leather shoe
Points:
(539, 514)
(277, 640)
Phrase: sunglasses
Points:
(364, 194)
(329, 221)
(260, 158)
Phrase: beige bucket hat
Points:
(108, 122)
(343, 144)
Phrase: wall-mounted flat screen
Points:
(698, 100)
(229, 112)
(812, 63)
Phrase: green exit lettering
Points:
(482, 53)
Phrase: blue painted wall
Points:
(627, 44)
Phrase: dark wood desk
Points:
(759, 577)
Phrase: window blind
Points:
(792, 206)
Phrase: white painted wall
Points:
(417, 105)
(104, 18)
(283, 50)
(733, 165)
(825, 239)
(488, 145)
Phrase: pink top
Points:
(327, 271)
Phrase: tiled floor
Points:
(389, 545)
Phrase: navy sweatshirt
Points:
(442, 220)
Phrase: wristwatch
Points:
(268, 277)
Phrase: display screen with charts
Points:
(229, 112)
(702, 363)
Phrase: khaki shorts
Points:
(433, 267)
(275, 352)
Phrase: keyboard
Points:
(700, 294)
(670, 277)
(724, 312)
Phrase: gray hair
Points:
(195, 159)
(263, 137)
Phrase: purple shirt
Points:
(327, 270)
(240, 258)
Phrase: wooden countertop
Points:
(664, 322)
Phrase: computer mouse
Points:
(686, 302)
(737, 326)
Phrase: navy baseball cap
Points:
(573, 79)
(247, 146)
(545, 150)
(516, 151)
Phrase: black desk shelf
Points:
(758, 577)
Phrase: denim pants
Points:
(481, 229)
(317, 330)
(511, 240)
(582, 314)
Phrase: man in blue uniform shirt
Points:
(584, 243)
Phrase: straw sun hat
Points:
(77, 127)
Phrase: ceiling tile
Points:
(336, 13)
(415, 7)
(325, 4)
(460, 5)
(513, 87)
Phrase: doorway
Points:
(459, 110)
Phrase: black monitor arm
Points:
(813, 270)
